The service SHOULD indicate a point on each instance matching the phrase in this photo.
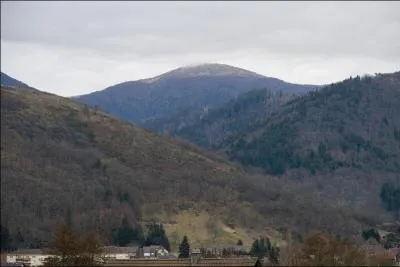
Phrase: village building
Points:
(372, 249)
(30, 257)
(375, 250)
(119, 253)
(6, 264)
(195, 256)
(222, 250)
(394, 253)
(152, 252)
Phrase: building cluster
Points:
(37, 257)
(377, 250)
(223, 251)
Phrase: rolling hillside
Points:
(64, 162)
(193, 87)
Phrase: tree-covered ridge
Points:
(354, 123)
(390, 197)
(216, 127)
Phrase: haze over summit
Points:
(325, 42)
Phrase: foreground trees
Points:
(70, 251)
(263, 248)
(390, 197)
(5, 238)
(127, 234)
(156, 236)
(322, 250)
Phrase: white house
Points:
(31, 257)
(119, 253)
(152, 252)
(218, 250)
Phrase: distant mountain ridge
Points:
(191, 87)
(9, 81)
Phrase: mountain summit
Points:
(191, 87)
(207, 69)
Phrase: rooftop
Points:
(30, 252)
(115, 249)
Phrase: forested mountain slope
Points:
(344, 139)
(64, 162)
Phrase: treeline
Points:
(317, 249)
(262, 248)
(154, 235)
(124, 235)
(390, 197)
(10, 242)
(69, 250)
(391, 240)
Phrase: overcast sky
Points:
(72, 48)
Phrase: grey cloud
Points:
(160, 27)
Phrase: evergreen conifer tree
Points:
(184, 248)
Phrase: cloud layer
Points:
(71, 48)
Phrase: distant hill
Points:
(214, 128)
(192, 87)
(64, 162)
(343, 138)
(354, 123)
(11, 82)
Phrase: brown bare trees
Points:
(322, 250)
(70, 251)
